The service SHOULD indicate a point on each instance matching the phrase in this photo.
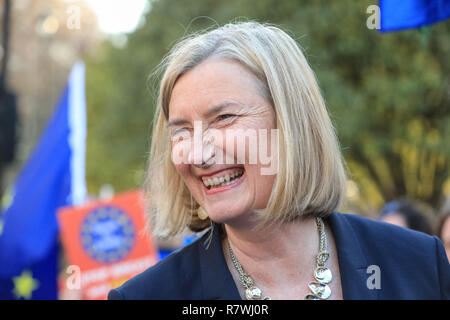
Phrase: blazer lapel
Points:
(352, 261)
(217, 282)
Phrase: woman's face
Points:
(217, 116)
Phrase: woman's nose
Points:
(202, 155)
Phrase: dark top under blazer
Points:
(412, 265)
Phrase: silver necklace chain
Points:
(319, 288)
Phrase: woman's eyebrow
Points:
(212, 111)
(219, 107)
(177, 122)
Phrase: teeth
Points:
(222, 181)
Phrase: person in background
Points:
(404, 214)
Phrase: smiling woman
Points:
(237, 63)
(273, 234)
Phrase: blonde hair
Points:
(310, 180)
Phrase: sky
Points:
(118, 16)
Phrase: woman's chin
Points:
(223, 214)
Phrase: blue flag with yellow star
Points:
(53, 177)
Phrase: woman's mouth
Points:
(223, 180)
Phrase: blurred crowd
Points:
(408, 214)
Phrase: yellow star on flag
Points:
(24, 285)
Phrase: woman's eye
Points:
(180, 135)
(224, 116)
(178, 138)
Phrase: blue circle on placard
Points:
(107, 234)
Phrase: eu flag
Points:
(404, 14)
(52, 177)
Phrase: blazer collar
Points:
(217, 282)
(352, 259)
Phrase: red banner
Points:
(105, 243)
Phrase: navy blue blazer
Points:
(412, 265)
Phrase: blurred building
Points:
(46, 38)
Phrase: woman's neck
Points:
(277, 255)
